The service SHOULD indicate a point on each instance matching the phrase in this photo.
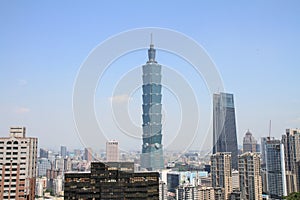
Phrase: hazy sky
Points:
(254, 44)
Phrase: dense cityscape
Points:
(270, 170)
(160, 100)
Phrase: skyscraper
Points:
(221, 172)
(224, 127)
(18, 155)
(63, 151)
(249, 143)
(152, 150)
(88, 156)
(249, 176)
(112, 151)
(275, 168)
(291, 142)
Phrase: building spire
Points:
(151, 51)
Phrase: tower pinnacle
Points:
(151, 52)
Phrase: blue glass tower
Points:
(152, 150)
(224, 127)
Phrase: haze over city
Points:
(254, 46)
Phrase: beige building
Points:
(206, 193)
(250, 178)
(221, 172)
(235, 180)
(112, 151)
(18, 155)
(249, 143)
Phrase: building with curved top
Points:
(249, 143)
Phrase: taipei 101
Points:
(153, 100)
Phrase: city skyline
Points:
(42, 50)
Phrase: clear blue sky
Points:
(254, 44)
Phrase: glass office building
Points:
(152, 149)
(224, 126)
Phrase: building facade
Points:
(106, 183)
(221, 172)
(18, 157)
(152, 149)
(112, 151)
(291, 142)
(249, 175)
(88, 154)
(63, 151)
(275, 168)
(224, 126)
(43, 164)
(249, 143)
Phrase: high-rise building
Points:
(291, 142)
(221, 172)
(249, 174)
(112, 151)
(263, 150)
(44, 153)
(235, 180)
(106, 182)
(249, 143)
(88, 156)
(18, 156)
(275, 168)
(224, 126)
(42, 165)
(187, 192)
(152, 150)
(206, 193)
(63, 151)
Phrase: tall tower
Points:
(249, 176)
(18, 155)
(224, 127)
(152, 149)
(112, 151)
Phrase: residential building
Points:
(221, 172)
(249, 175)
(18, 157)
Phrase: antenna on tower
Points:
(151, 39)
(270, 126)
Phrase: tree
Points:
(293, 196)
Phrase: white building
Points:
(235, 180)
(18, 156)
(112, 151)
(58, 186)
